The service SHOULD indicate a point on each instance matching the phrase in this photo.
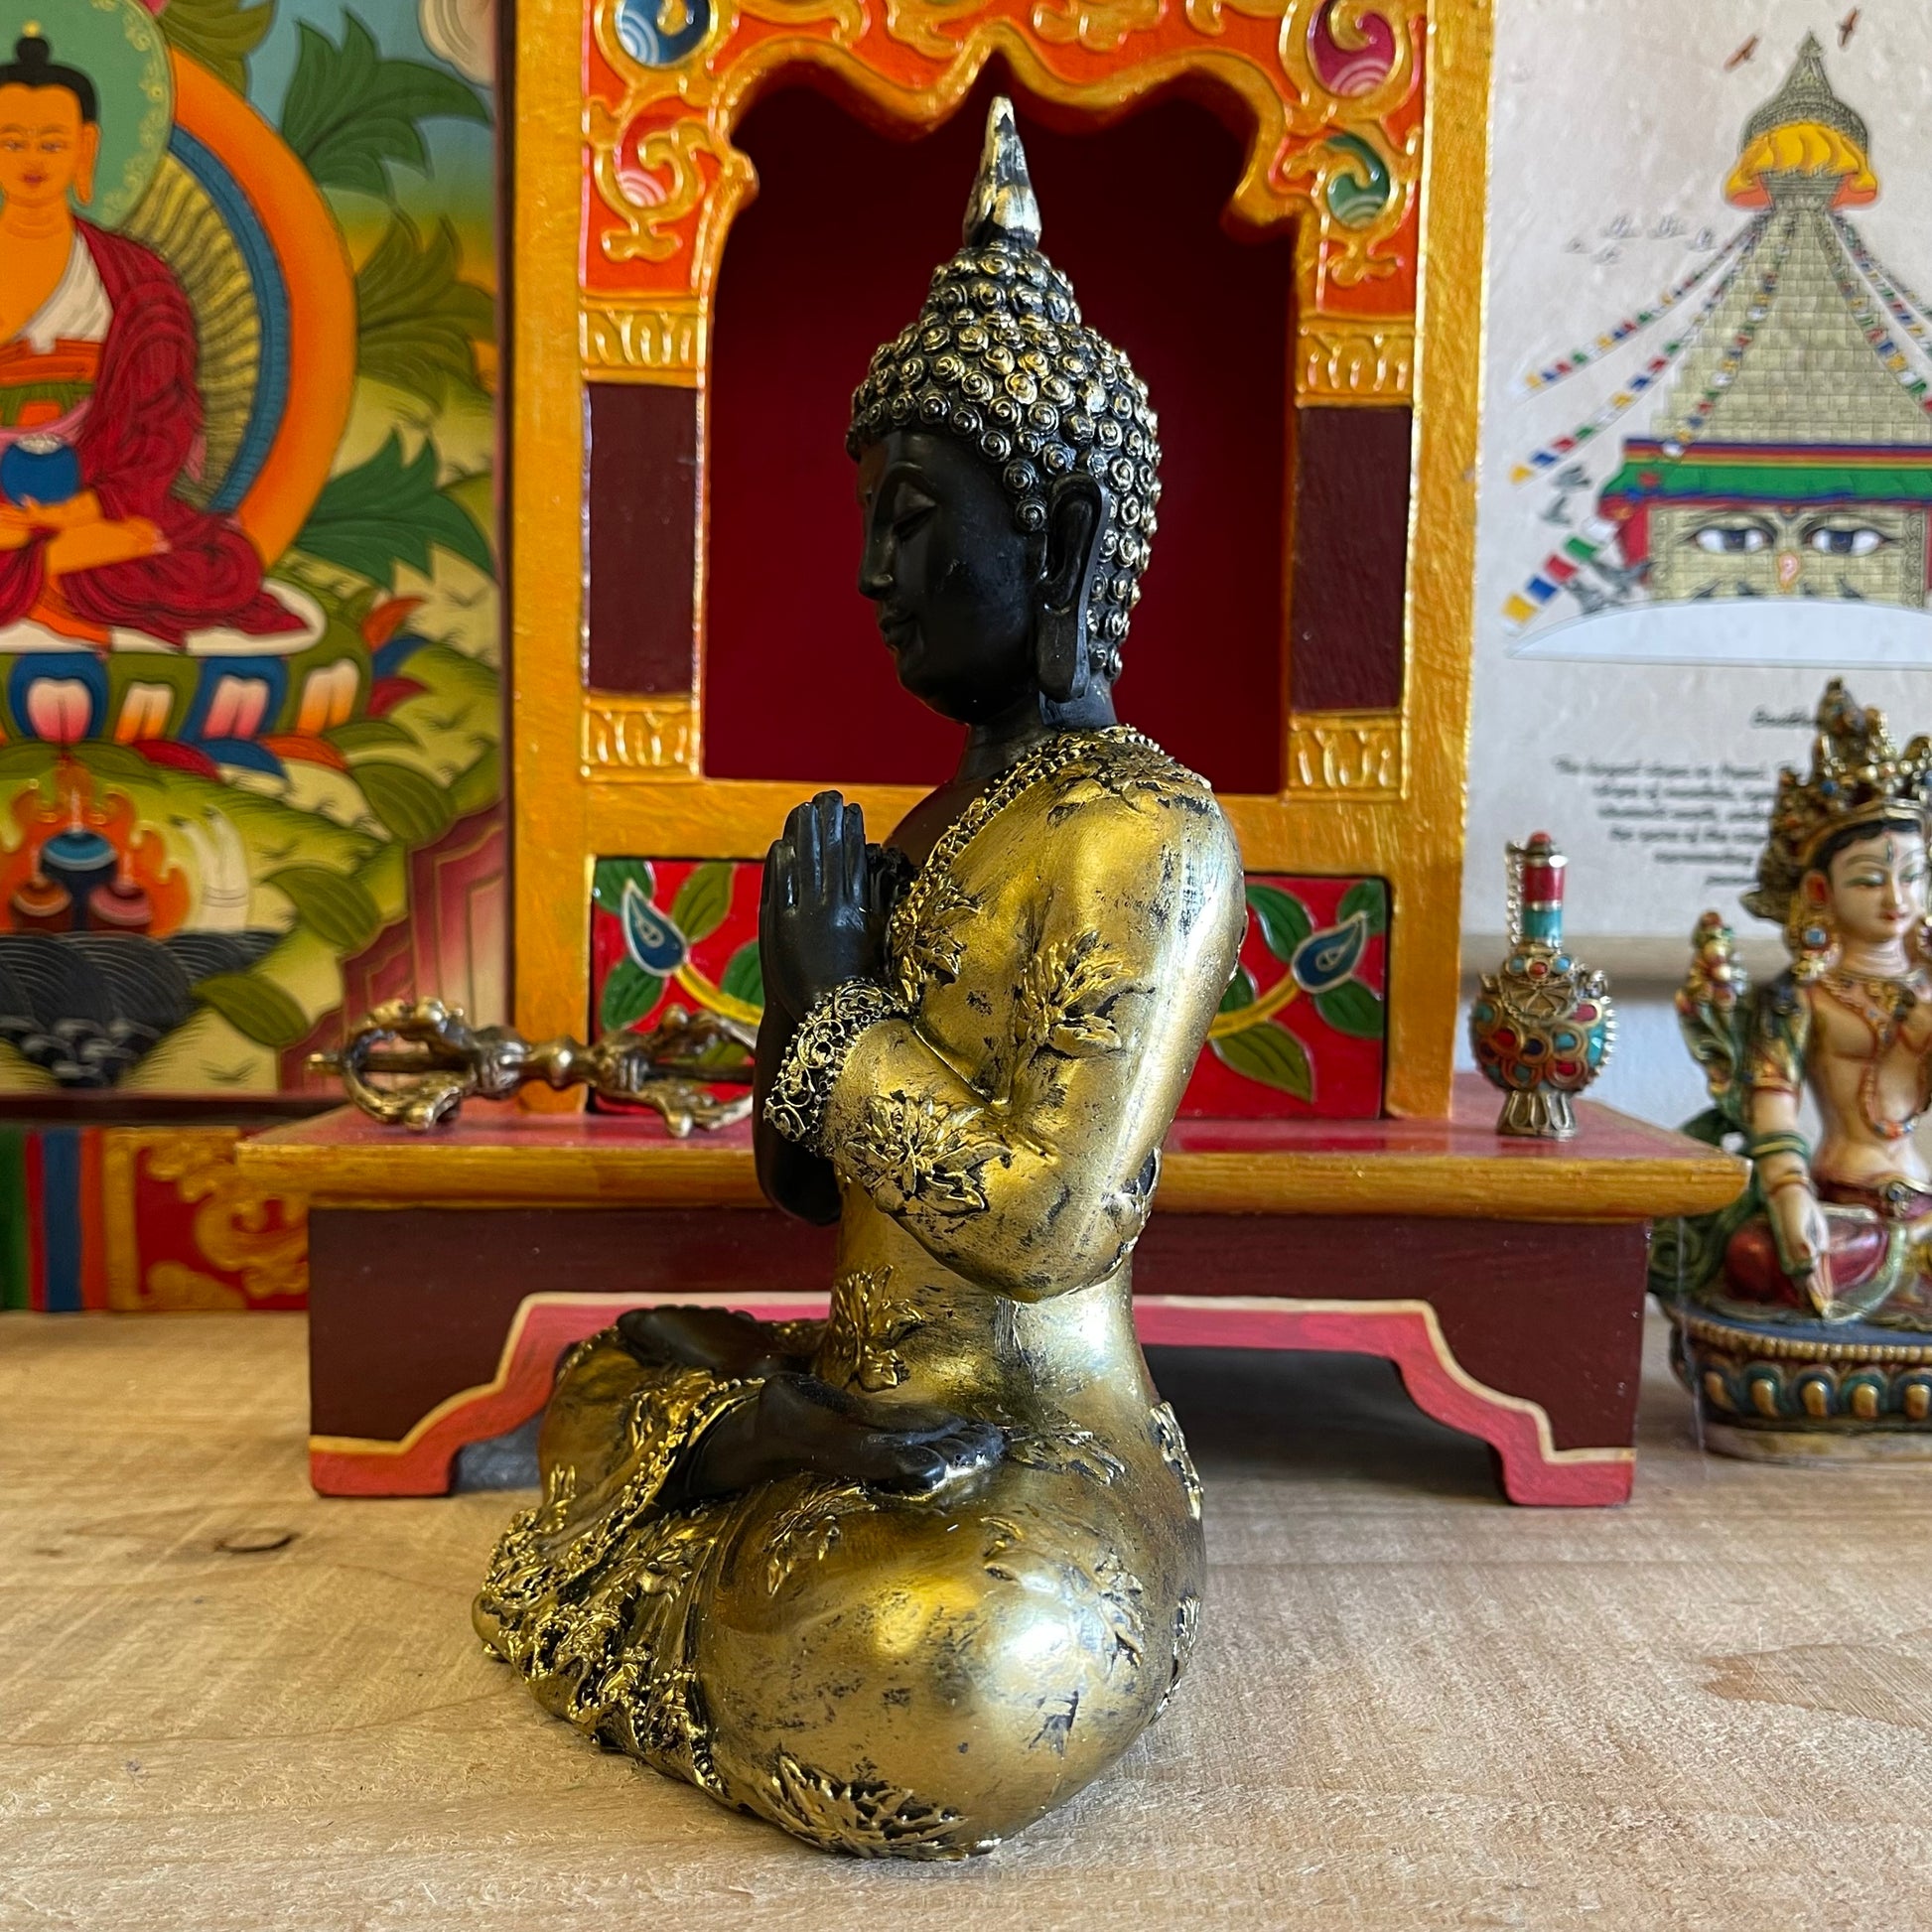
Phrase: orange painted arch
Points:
(320, 287)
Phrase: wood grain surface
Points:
(226, 1703)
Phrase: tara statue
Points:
(1803, 1313)
(903, 1580)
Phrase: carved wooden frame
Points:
(625, 185)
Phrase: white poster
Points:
(1707, 440)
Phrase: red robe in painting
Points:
(141, 429)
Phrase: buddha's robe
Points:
(135, 425)
(896, 1675)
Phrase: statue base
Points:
(1804, 1392)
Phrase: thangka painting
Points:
(1301, 1033)
(249, 629)
(1707, 445)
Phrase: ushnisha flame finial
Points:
(999, 357)
(1002, 206)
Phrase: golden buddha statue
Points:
(902, 1581)
(1796, 1308)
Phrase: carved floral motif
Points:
(863, 1327)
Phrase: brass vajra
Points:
(414, 1062)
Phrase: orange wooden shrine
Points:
(719, 206)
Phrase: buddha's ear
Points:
(88, 149)
(1073, 524)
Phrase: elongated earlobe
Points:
(83, 175)
(1066, 575)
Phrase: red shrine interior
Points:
(796, 682)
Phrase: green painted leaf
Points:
(112, 760)
(1370, 897)
(742, 977)
(351, 113)
(339, 910)
(418, 323)
(610, 877)
(1240, 993)
(1271, 1054)
(364, 733)
(412, 804)
(1283, 918)
(481, 785)
(703, 901)
(1352, 1008)
(389, 510)
(629, 993)
(221, 33)
(257, 1008)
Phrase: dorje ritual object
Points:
(905, 1579)
(1543, 1025)
(414, 1062)
(1803, 1313)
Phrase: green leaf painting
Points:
(418, 323)
(256, 1007)
(1370, 897)
(1271, 1054)
(1283, 918)
(703, 901)
(221, 33)
(1352, 1008)
(389, 510)
(610, 876)
(365, 734)
(629, 993)
(1240, 993)
(744, 978)
(351, 112)
(410, 804)
(336, 908)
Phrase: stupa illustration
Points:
(1789, 453)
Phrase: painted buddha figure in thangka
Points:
(902, 1581)
(1804, 1314)
(100, 418)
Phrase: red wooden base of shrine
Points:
(1504, 1280)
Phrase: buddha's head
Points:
(1867, 882)
(1008, 471)
(50, 129)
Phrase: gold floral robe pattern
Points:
(921, 1676)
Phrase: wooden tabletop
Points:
(227, 1705)
(1615, 1170)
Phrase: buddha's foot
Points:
(728, 1343)
(800, 1422)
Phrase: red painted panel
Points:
(832, 259)
(1351, 548)
(1314, 969)
(641, 507)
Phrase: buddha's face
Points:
(1877, 885)
(46, 148)
(954, 580)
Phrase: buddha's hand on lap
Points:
(821, 921)
(799, 1423)
(726, 1341)
(1803, 1237)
